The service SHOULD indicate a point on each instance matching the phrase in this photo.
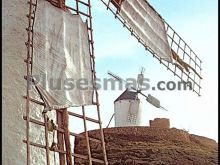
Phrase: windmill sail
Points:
(159, 38)
(61, 53)
(148, 26)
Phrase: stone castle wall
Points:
(160, 123)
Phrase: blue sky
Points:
(116, 50)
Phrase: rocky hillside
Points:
(151, 146)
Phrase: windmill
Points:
(128, 112)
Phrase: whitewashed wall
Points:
(121, 109)
(14, 35)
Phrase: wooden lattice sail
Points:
(60, 47)
(159, 38)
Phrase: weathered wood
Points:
(67, 137)
(60, 139)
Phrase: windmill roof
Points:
(128, 95)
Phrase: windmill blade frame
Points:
(187, 65)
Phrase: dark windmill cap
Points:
(128, 95)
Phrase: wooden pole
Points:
(60, 139)
(67, 137)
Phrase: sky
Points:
(196, 21)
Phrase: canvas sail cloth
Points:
(150, 27)
(61, 56)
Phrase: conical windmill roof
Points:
(128, 95)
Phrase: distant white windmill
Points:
(127, 107)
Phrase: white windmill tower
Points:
(127, 107)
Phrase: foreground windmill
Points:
(59, 44)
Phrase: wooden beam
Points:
(60, 139)
(67, 137)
